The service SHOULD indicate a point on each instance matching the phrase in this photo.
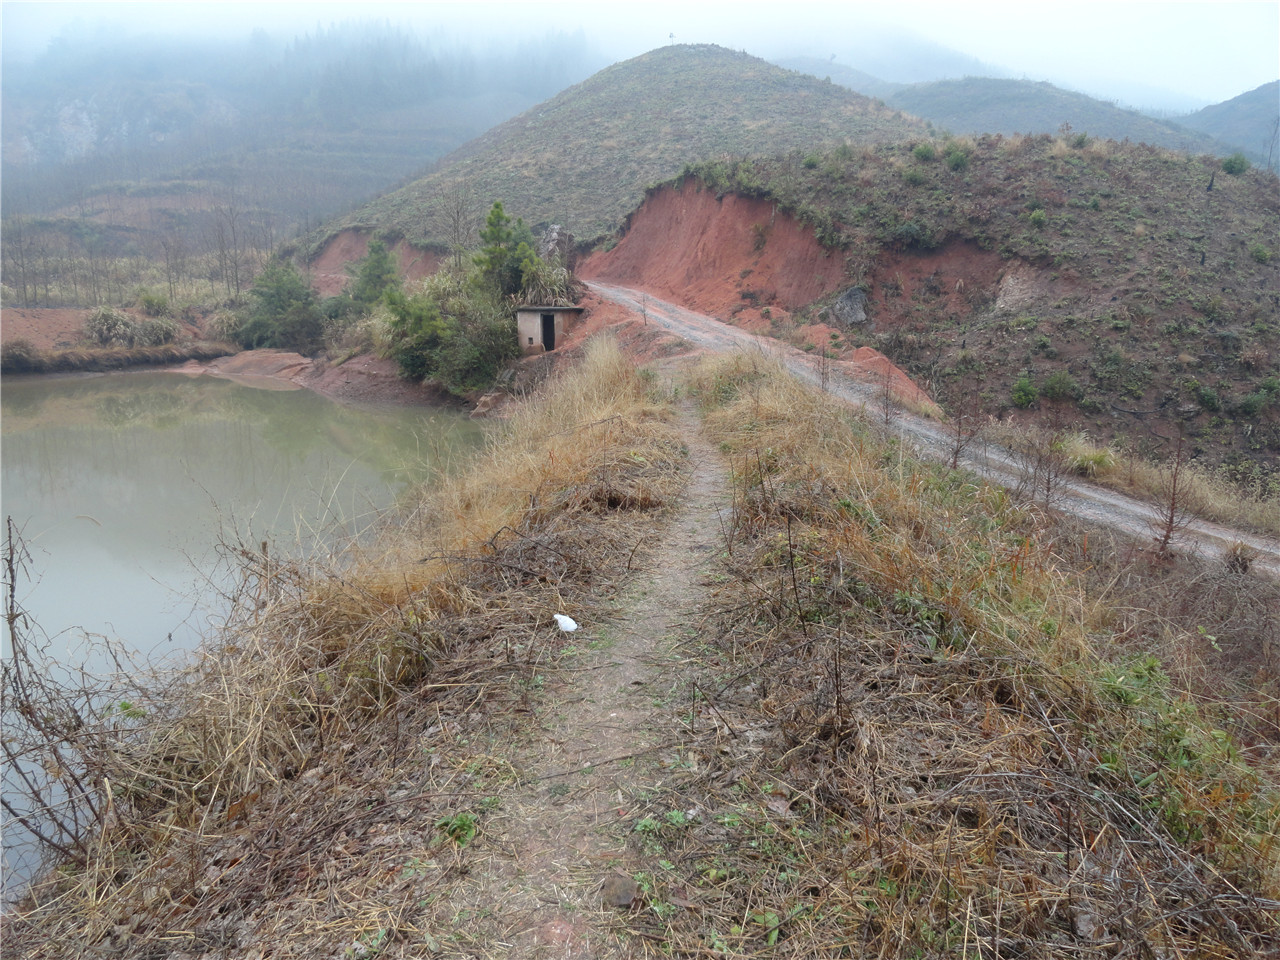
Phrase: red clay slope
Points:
(739, 260)
(705, 253)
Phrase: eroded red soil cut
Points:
(955, 280)
(726, 256)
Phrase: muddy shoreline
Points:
(363, 379)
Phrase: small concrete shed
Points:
(541, 328)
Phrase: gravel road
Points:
(1084, 500)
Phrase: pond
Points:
(123, 488)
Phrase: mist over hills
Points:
(584, 158)
(1249, 122)
(347, 111)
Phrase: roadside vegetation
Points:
(916, 717)
(939, 732)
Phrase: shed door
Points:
(549, 331)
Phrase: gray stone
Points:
(850, 308)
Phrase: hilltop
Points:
(584, 158)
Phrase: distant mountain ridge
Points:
(982, 104)
(585, 158)
(1249, 122)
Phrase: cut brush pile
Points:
(273, 793)
(925, 748)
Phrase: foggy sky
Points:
(1152, 54)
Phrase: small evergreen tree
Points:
(505, 250)
(284, 312)
(376, 274)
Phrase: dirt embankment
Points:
(362, 379)
(740, 260)
(59, 328)
(734, 258)
(329, 270)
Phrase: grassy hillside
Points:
(584, 158)
(1248, 122)
(1134, 290)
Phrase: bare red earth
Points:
(44, 328)
(742, 261)
(329, 270)
(726, 257)
(53, 328)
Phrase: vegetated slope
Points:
(584, 158)
(1131, 299)
(1249, 122)
(989, 105)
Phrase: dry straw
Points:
(925, 747)
(225, 807)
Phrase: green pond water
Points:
(123, 487)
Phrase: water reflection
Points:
(123, 485)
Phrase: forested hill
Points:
(302, 127)
(584, 158)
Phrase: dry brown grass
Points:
(1252, 505)
(925, 748)
(227, 806)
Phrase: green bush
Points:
(373, 276)
(1025, 393)
(957, 158)
(154, 331)
(811, 161)
(20, 356)
(153, 304)
(1260, 253)
(1236, 164)
(108, 327)
(1039, 218)
(283, 312)
(1060, 385)
(1208, 398)
(913, 176)
(924, 152)
(453, 331)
